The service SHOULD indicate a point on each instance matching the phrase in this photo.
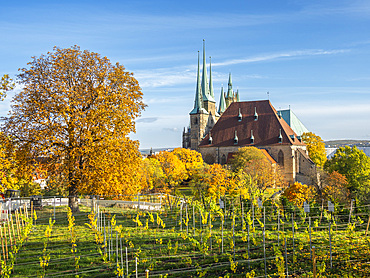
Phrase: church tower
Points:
(204, 115)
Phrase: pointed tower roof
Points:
(222, 107)
(211, 93)
(198, 103)
(230, 88)
(205, 88)
(237, 96)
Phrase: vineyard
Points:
(187, 239)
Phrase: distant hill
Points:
(341, 143)
(332, 146)
(156, 150)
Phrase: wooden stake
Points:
(10, 234)
(17, 222)
(11, 220)
(32, 209)
(26, 210)
(20, 216)
(6, 242)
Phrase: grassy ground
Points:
(192, 249)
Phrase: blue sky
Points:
(313, 56)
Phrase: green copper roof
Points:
(205, 88)
(293, 121)
(222, 107)
(237, 96)
(230, 88)
(198, 98)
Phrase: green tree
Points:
(76, 111)
(355, 166)
(315, 148)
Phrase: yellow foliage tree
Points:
(191, 159)
(173, 169)
(154, 175)
(15, 172)
(76, 110)
(315, 147)
(6, 84)
(211, 181)
(298, 193)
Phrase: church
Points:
(218, 133)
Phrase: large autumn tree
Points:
(76, 110)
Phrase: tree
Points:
(155, 178)
(173, 169)
(262, 174)
(6, 84)
(355, 166)
(297, 193)
(335, 187)
(315, 148)
(191, 159)
(76, 110)
(211, 181)
(243, 156)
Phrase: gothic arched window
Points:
(281, 158)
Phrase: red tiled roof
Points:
(266, 129)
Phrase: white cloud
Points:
(172, 76)
(281, 55)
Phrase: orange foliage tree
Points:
(298, 193)
(335, 187)
(77, 109)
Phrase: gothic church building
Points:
(218, 133)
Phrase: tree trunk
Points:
(73, 203)
(73, 197)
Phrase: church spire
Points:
(198, 98)
(230, 93)
(222, 107)
(205, 89)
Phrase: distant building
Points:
(218, 133)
